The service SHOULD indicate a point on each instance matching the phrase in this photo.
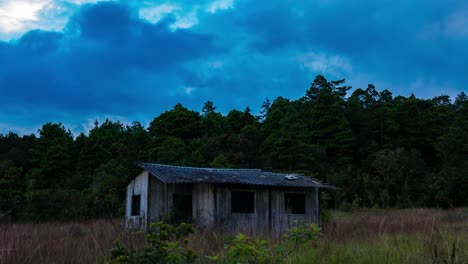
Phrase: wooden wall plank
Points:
(212, 206)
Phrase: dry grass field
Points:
(364, 236)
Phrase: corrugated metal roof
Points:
(178, 174)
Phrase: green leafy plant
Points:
(165, 244)
(243, 249)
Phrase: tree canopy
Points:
(381, 150)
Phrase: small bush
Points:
(166, 244)
(243, 249)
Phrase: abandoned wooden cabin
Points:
(246, 200)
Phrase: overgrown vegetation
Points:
(243, 249)
(383, 151)
(361, 236)
(164, 247)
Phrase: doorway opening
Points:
(182, 204)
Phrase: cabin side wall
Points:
(161, 201)
(270, 214)
(158, 200)
(250, 223)
(211, 205)
(281, 220)
(138, 186)
(203, 204)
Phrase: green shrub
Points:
(243, 249)
(168, 244)
(163, 246)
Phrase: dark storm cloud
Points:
(100, 62)
(397, 43)
(110, 61)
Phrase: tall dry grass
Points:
(69, 242)
(369, 236)
(371, 224)
(392, 236)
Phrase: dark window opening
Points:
(182, 208)
(294, 203)
(136, 205)
(243, 202)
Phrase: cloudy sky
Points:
(76, 61)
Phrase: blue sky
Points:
(76, 61)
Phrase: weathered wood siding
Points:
(203, 204)
(161, 201)
(280, 220)
(158, 200)
(251, 223)
(211, 205)
(138, 186)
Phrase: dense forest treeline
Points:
(380, 150)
